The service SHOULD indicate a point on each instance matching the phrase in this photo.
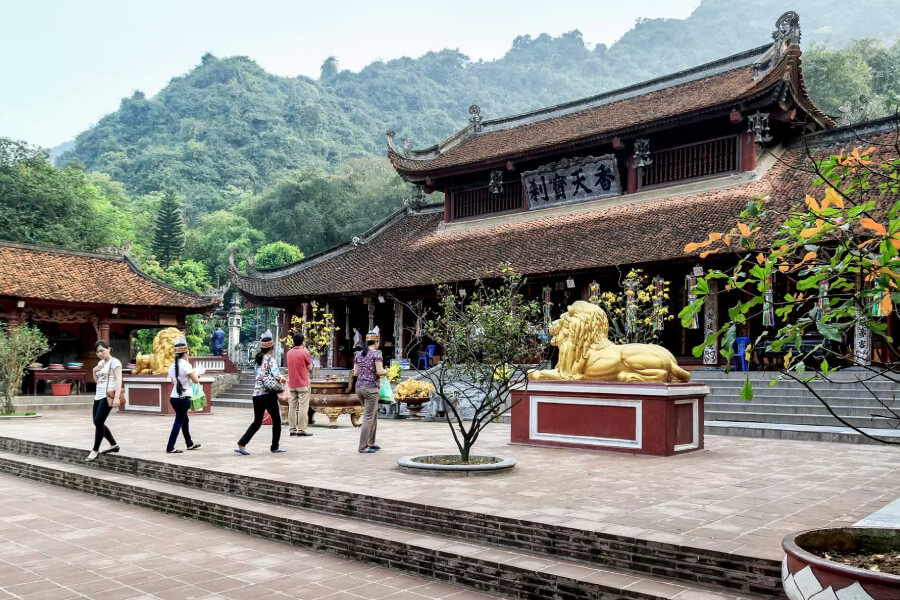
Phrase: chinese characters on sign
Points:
(572, 180)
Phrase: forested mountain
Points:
(228, 128)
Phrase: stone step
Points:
(42, 407)
(483, 567)
(233, 402)
(797, 419)
(791, 409)
(855, 388)
(807, 433)
(684, 570)
(720, 375)
(773, 397)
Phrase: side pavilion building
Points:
(77, 298)
(575, 195)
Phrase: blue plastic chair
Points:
(428, 358)
(740, 352)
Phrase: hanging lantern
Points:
(690, 284)
(594, 293)
(769, 304)
(658, 287)
(630, 304)
(822, 302)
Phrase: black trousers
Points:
(101, 412)
(262, 404)
(182, 406)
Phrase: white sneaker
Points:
(92, 456)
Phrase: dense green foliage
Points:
(168, 234)
(277, 254)
(40, 204)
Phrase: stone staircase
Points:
(789, 411)
(238, 395)
(504, 556)
(42, 404)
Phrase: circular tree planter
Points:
(420, 465)
(805, 573)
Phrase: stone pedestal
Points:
(149, 394)
(659, 419)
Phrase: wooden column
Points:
(446, 207)
(104, 329)
(748, 152)
(711, 323)
(329, 357)
(371, 314)
(398, 329)
(632, 176)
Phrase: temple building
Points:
(76, 298)
(575, 195)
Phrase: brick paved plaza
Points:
(739, 495)
(62, 544)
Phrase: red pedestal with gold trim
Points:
(149, 394)
(660, 419)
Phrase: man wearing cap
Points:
(298, 363)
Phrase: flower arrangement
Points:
(393, 373)
(637, 313)
(318, 328)
(412, 388)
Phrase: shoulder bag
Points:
(269, 382)
(111, 394)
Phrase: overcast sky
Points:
(66, 63)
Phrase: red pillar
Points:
(632, 176)
(104, 329)
(748, 152)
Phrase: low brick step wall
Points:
(512, 574)
(688, 566)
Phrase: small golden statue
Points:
(163, 355)
(587, 354)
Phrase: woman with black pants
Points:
(264, 400)
(181, 374)
(108, 375)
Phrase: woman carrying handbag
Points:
(181, 374)
(269, 383)
(108, 375)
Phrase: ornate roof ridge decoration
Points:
(766, 74)
(853, 131)
(728, 63)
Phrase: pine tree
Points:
(168, 236)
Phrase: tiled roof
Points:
(28, 271)
(715, 86)
(410, 251)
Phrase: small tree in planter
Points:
(19, 347)
(839, 251)
(487, 335)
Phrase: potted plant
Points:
(838, 251)
(414, 393)
(487, 335)
(19, 347)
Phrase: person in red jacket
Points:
(298, 363)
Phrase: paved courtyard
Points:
(64, 544)
(739, 495)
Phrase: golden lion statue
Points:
(587, 354)
(163, 355)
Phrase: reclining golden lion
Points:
(587, 354)
(163, 355)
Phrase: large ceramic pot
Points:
(333, 399)
(807, 576)
(414, 404)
